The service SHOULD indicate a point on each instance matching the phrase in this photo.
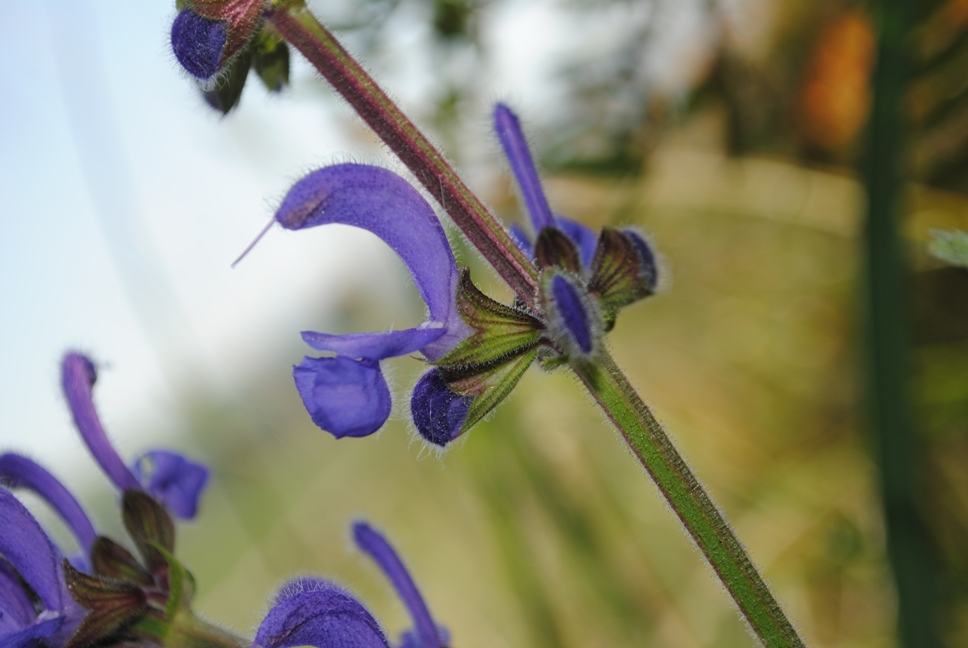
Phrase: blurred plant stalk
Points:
(605, 381)
(895, 445)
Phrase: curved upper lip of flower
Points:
(17, 471)
(26, 548)
(313, 612)
(178, 485)
(383, 203)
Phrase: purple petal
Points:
(173, 480)
(198, 43)
(77, 377)
(16, 610)
(29, 636)
(373, 543)
(574, 315)
(312, 612)
(584, 237)
(375, 346)
(508, 130)
(30, 552)
(438, 412)
(345, 397)
(17, 471)
(381, 202)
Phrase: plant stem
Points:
(603, 379)
(298, 26)
(702, 520)
(893, 438)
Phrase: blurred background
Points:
(729, 131)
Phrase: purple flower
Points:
(439, 413)
(314, 612)
(198, 43)
(584, 279)
(573, 313)
(17, 471)
(35, 606)
(509, 132)
(209, 33)
(170, 478)
(346, 394)
(508, 129)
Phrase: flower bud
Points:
(198, 43)
(573, 317)
(438, 412)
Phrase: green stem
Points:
(702, 520)
(189, 631)
(298, 26)
(604, 380)
(185, 630)
(895, 444)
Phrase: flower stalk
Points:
(704, 523)
(599, 373)
(300, 28)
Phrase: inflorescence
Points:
(106, 595)
(478, 347)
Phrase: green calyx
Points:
(501, 332)
(573, 318)
(577, 306)
(623, 269)
(143, 601)
(489, 363)
(267, 54)
(619, 274)
(270, 60)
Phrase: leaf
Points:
(951, 246)
(271, 60)
(181, 584)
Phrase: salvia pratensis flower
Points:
(217, 41)
(19, 472)
(170, 478)
(315, 612)
(479, 347)
(35, 606)
(508, 129)
(102, 594)
(346, 394)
